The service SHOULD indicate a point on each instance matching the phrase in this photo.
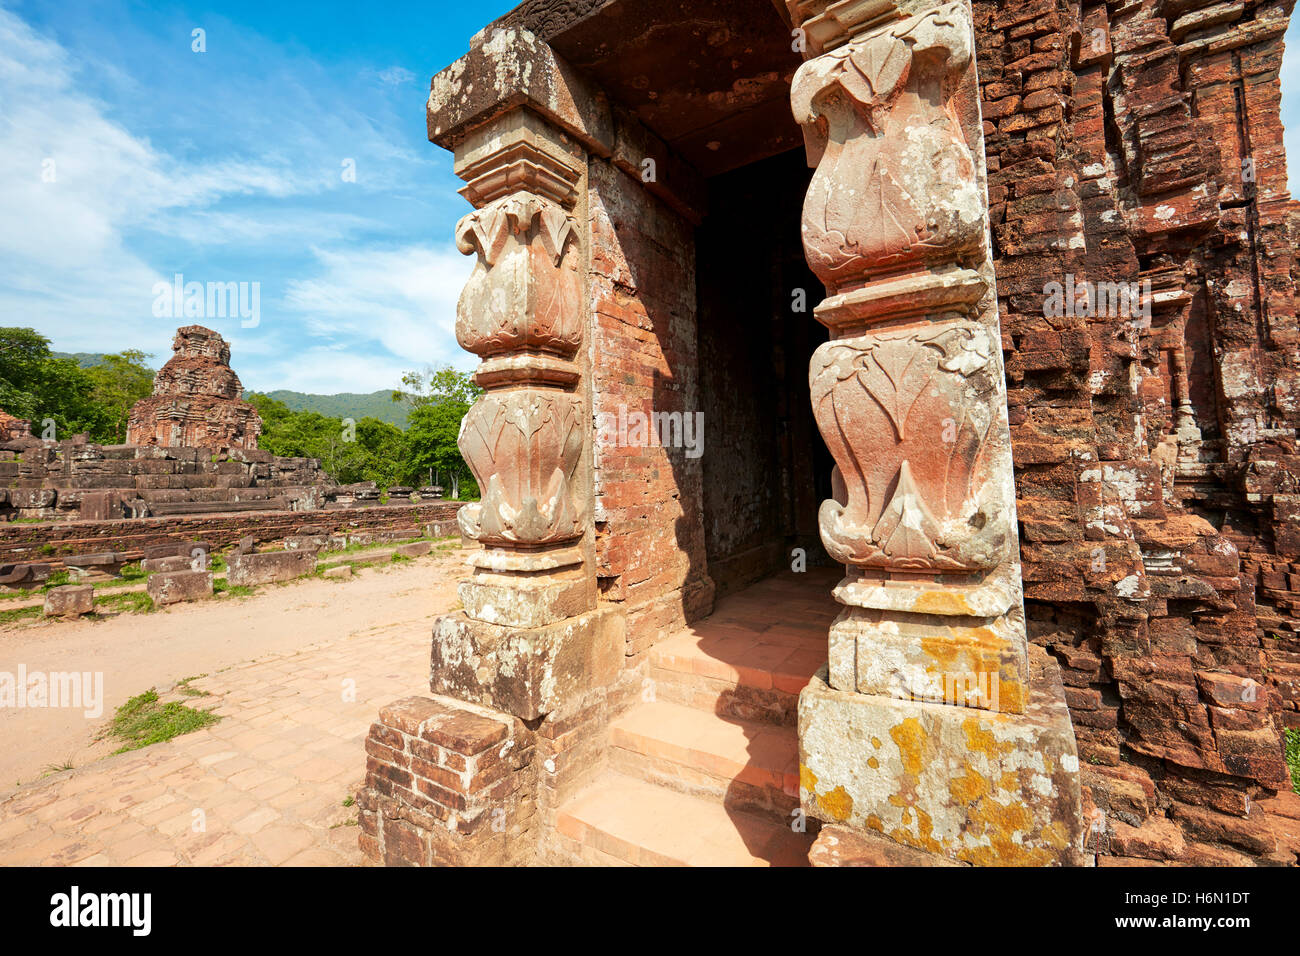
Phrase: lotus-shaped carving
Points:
(524, 448)
(907, 416)
(525, 293)
(895, 185)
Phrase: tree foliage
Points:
(438, 400)
(48, 389)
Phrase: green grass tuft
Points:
(127, 602)
(142, 721)
(14, 615)
(1293, 756)
(219, 586)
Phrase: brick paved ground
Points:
(266, 785)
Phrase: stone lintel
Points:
(970, 785)
(526, 672)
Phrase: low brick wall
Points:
(24, 542)
(447, 786)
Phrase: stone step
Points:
(743, 764)
(743, 674)
(635, 822)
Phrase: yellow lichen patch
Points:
(1006, 855)
(1002, 822)
(875, 742)
(837, 804)
(969, 787)
(911, 739)
(922, 840)
(807, 779)
(873, 823)
(1055, 834)
(979, 740)
(1010, 781)
(942, 601)
(873, 763)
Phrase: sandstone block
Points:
(970, 785)
(343, 572)
(173, 587)
(414, 549)
(269, 566)
(526, 672)
(173, 563)
(72, 600)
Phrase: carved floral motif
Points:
(907, 416)
(524, 447)
(895, 186)
(524, 292)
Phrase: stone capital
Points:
(508, 69)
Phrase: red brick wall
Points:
(1152, 570)
(650, 548)
(24, 542)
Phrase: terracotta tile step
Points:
(716, 753)
(650, 826)
(746, 659)
(725, 698)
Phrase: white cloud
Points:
(372, 301)
(72, 184)
(395, 76)
(84, 251)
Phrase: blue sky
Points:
(227, 166)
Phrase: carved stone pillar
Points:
(521, 673)
(525, 636)
(934, 723)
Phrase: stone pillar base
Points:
(526, 671)
(991, 789)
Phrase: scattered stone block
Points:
(269, 566)
(23, 574)
(172, 587)
(169, 550)
(100, 506)
(415, 549)
(165, 565)
(71, 600)
(343, 572)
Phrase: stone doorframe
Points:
(934, 724)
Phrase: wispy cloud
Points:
(108, 188)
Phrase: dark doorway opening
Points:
(766, 469)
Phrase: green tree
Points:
(438, 399)
(44, 389)
(368, 450)
(118, 382)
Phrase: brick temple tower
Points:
(196, 399)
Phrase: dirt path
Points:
(134, 652)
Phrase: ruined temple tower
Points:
(987, 553)
(196, 399)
